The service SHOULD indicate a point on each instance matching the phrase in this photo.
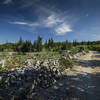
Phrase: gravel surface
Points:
(83, 81)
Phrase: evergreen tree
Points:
(46, 45)
(20, 45)
(39, 44)
(75, 43)
(35, 46)
(27, 46)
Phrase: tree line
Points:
(38, 46)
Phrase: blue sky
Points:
(60, 19)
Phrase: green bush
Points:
(66, 63)
(94, 47)
(1, 68)
(74, 50)
(77, 49)
(83, 48)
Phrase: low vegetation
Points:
(66, 63)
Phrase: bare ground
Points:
(80, 83)
(85, 78)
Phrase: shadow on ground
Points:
(77, 87)
(74, 87)
(88, 63)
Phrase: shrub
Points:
(74, 50)
(83, 48)
(94, 47)
(66, 63)
(1, 68)
(77, 49)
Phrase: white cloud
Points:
(58, 24)
(7, 1)
(51, 21)
(20, 23)
(63, 29)
(24, 23)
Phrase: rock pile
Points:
(79, 54)
(17, 83)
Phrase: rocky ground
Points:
(21, 83)
(48, 83)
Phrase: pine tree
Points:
(20, 45)
(35, 46)
(39, 44)
(46, 45)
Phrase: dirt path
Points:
(84, 79)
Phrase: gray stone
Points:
(2, 63)
(0, 78)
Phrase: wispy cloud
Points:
(25, 23)
(58, 23)
(7, 1)
(52, 20)
(63, 29)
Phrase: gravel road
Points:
(84, 79)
